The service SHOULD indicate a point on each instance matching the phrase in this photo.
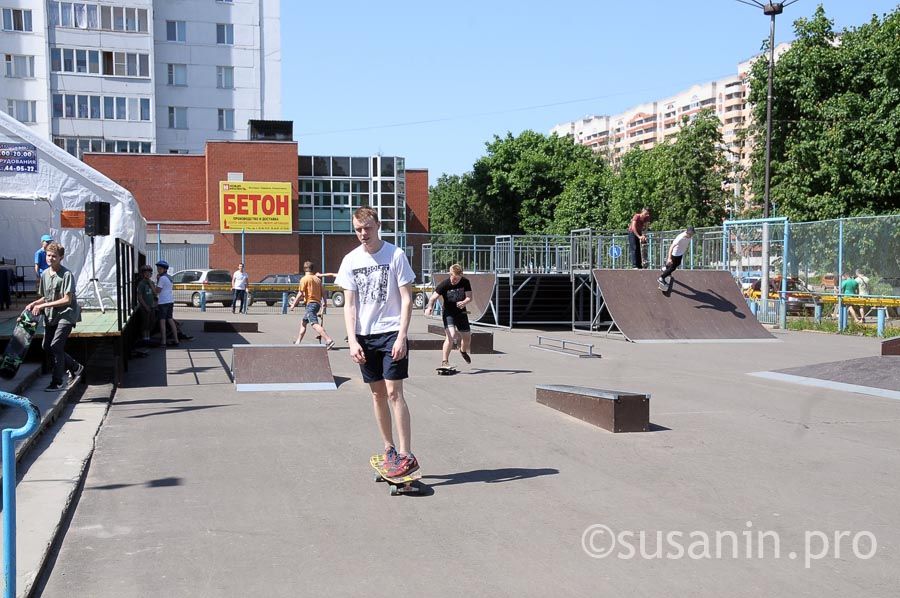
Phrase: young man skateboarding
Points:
(57, 304)
(377, 280)
(636, 236)
(310, 289)
(679, 245)
(455, 293)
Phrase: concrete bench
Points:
(223, 326)
(891, 346)
(422, 342)
(611, 410)
(482, 340)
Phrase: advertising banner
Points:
(255, 207)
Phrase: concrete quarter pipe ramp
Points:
(702, 306)
(482, 292)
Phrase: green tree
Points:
(585, 201)
(454, 208)
(835, 120)
(521, 179)
(680, 182)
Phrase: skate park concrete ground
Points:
(194, 489)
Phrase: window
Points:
(175, 31)
(68, 60)
(80, 15)
(134, 112)
(225, 77)
(224, 34)
(340, 166)
(226, 119)
(225, 1)
(82, 105)
(145, 109)
(360, 166)
(22, 110)
(178, 151)
(119, 18)
(81, 61)
(19, 67)
(121, 105)
(92, 22)
(177, 117)
(57, 103)
(106, 17)
(65, 14)
(177, 74)
(131, 20)
(125, 64)
(95, 107)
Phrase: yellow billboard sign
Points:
(255, 207)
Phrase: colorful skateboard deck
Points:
(401, 485)
(446, 371)
(26, 325)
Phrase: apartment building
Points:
(140, 76)
(657, 121)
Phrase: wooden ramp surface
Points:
(702, 306)
(482, 292)
(281, 368)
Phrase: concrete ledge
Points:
(609, 409)
(421, 342)
(223, 326)
(482, 340)
(891, 346)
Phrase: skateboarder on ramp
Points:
(702, 306)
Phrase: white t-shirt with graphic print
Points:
(376, 279)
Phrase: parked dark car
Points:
(271, 289)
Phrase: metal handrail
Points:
(9, 485)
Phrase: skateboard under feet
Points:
(448, 370)
(402, 485)
(665, 287)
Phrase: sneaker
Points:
(76, 374)
(329, 345)
(54, 387)
(390, 457)
(445, 364)
(465, 357)
(404, 465)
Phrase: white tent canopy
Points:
(31, 204)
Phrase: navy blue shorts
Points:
(379, 365)
(165, 311)
(460, 321)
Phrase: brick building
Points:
(179, 197)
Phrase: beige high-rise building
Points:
(646, 125)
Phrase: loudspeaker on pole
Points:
(96, 218)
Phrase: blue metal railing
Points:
(10, 435)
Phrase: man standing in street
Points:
(377, 282)
(165, 309)
(239, 282)
(636, 236)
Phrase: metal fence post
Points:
(284, 303)
(202, 300)
(9, 485)
(879, 330)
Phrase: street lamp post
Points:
(771, 10)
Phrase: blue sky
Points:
(434, 81)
